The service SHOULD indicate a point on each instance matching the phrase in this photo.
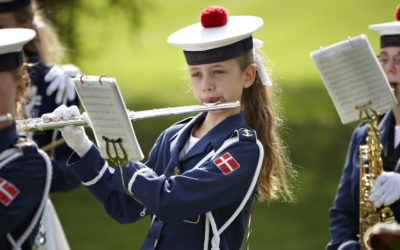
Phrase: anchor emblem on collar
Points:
(247, 133)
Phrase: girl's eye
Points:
(196, 74)
(218, 72)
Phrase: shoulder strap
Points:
(18, 243)
(209, 217)
(8, 155)
(249, 215)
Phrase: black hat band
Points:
(219, 54)
(13, 5)
(390, 40)
(11, 61)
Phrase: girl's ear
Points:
(249, 75)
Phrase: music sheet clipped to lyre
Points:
(102, 101)
(353, 77)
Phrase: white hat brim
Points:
(13, 40)
(197, 38)
(392, 28)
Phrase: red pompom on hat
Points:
(397, 15)
(214, 16)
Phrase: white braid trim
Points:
(209, 218)
(226, 144)
(206, 233)
(216, 238)
(132, 180)
(98, 177)
(17, 245)
(347, 243)
(204, 159)
(11, 158)
(262, 72)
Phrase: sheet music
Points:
(353, 77)
(108, 115)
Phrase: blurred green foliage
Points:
(151, 74)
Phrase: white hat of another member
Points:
(11, 47)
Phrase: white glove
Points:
(386, 189)
(75, 137)
(60, 78)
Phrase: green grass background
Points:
(151, 74)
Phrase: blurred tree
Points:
(65, 16)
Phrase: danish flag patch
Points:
(226, 163)
(7, 192)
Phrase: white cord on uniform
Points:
(17, 244)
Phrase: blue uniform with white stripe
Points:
(23, 176)
(214, 176)
(344, 215)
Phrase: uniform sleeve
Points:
(214, 184)
(97, 176)
(64, 178)
(21, 191)
(100, 179)
(344, 215)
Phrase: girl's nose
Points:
(208, 84)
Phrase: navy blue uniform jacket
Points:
(344, 215)
(177, 203)
(21, 189)
(66, 179)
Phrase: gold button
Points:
(20, 140)
(155, 243)
(176, 171)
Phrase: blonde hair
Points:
(18, 74)
(46, 42)
(259, 112)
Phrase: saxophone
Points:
(372, 219)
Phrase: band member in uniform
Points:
(25, 172)
(203, 172)
(344, 215)
(50, 87)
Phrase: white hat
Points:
(389, 32)
(11, 45)
(217, 38)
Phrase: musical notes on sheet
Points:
(353, 77)
(102, 101)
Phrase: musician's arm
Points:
(101, 180)
(344, 214)
(63, 178)
(98, 177)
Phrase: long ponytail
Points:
(257, 104)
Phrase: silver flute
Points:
(37, 124)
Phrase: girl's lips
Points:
(212, 100)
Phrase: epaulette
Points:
(246, 134)
(25, 145)
(19, 146)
